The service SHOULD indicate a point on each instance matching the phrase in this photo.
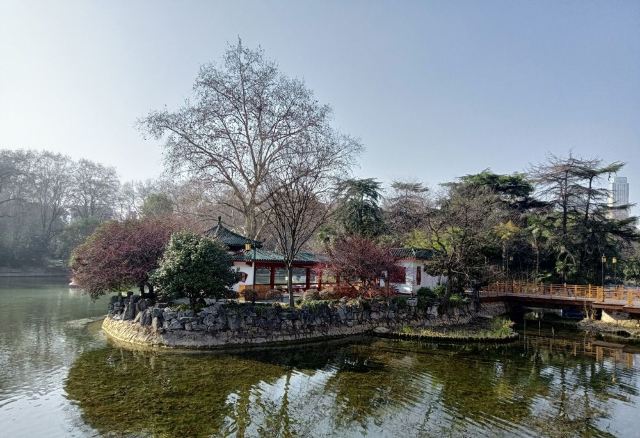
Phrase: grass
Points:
(496, 329)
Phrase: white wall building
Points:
(413, 277)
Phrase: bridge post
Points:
(629, 298)
(589, 290)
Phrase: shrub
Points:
(325, 294)
(501, 327)
(426, 298)
(440, 290)
(273, 294)
(250, 295)
(195, 267)
(311, 294)
(314, 305)
(400, 302)
(456, 300)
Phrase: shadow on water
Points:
(380, 387)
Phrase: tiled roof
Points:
(263, 255)
(228, 237)
(412, 253)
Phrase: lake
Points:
(60, 377)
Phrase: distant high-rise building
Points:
(619, 196)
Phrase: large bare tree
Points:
(244, 122)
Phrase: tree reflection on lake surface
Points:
(538, 386)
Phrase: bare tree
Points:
(405, 208)
(94, 191)
(12, 165)
(460, 229)
(300, 203)
(245, 122)
(51, 184)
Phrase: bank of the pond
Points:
(134, 321)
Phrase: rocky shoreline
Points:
(223, 324)
(626, 332)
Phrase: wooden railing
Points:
(629, 296)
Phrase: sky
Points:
(433, 89)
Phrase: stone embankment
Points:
(230, 324)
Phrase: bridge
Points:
(608, 298)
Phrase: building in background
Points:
(619, 197)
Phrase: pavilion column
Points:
(308, 278)
(272, 277)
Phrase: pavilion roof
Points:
(230, 238)
(263, 255)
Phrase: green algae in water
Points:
(376, 387)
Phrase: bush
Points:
(249, 295)
(400, 302)
(456, 300)
(426, 297)
(314, 305)
(311, 294)
(273, 294)
(195, 267)
(501, 327)
(326, 294)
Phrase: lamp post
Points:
(604, 260)
(615, 277)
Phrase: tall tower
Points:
(619, 196)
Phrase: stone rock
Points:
(195, 326)
(381, 330)
(174, 324)
(233, 322)
(156, 323)
(146, 317)
(128, 312)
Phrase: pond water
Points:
(60, 377)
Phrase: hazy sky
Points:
(434, 89)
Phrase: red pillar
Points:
(272, 277)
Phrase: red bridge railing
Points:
(628, 296)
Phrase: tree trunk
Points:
(290, 285)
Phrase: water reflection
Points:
(540, 386)
(39, 339)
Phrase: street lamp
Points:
(604, 260)
(615, 277)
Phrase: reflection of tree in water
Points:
(364, 387)
(369, 380)
(499, 384)
(164, 394)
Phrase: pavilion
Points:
(265, 270)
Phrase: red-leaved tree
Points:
(361, 263)
(121, 254)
